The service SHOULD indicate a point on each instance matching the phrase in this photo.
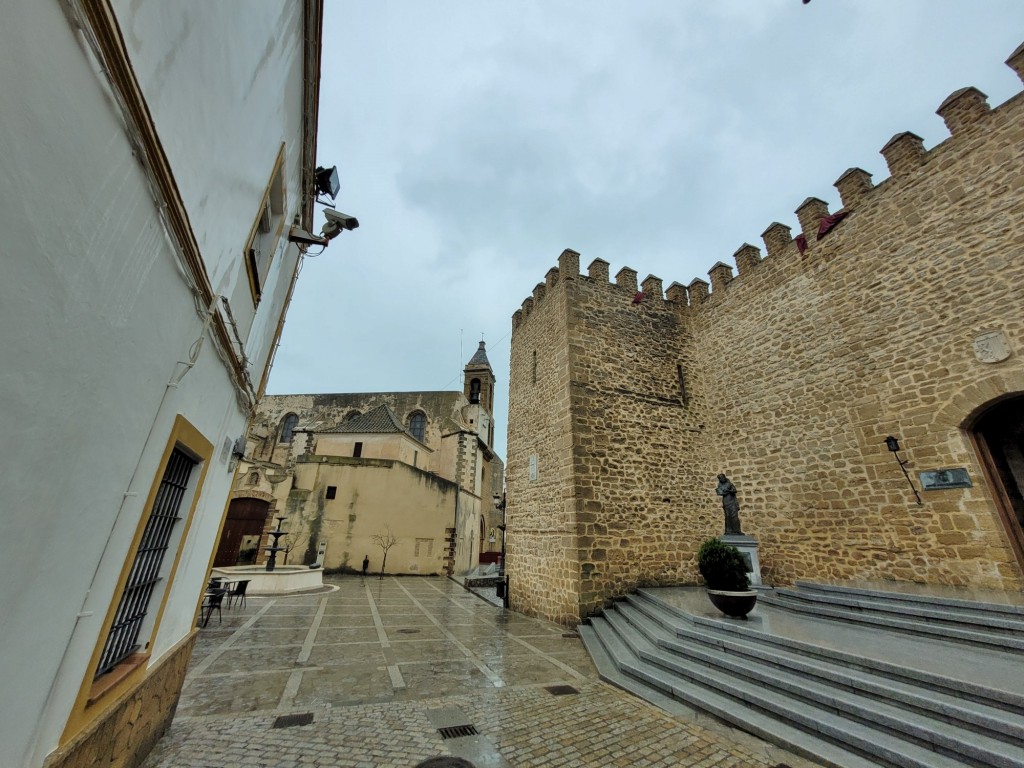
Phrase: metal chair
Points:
(238, 592)
(211, 604)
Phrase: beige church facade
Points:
(348, 472)
(900, 314)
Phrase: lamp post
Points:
(894, 445)
(502, 590)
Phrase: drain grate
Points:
(408, 631)
(445, 762)
(290, 721)
(458, 731)
(571, 635)
(560, 690)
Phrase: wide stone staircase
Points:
(845, 676)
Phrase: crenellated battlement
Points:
(969, 120)
(785, 368)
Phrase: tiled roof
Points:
(378, 420)
(480, 358)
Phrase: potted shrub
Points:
(725, 575)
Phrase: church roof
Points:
(379, 420)
(480, 358)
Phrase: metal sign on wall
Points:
(941, 479)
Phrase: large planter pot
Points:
(735, 604)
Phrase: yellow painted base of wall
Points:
(128, 730)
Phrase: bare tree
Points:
(385, 540)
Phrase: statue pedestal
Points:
(747, 545)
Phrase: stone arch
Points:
(253, 493)
(965, 407)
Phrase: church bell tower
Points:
(479, 390)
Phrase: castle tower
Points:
(479, 390)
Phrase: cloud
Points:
(475, 141)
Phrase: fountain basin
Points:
(283, 580)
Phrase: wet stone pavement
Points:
(395, 672)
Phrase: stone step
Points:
(978, 702)
(739, 702)
(978, 618)
(869, 614)
(618, 665)
(836, 689)
(1012, 607)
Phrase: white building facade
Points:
(153, 159)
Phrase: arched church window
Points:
(288, 427)
(352, 415)
(474, 391)
(418, 425)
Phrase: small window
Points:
(418, 425)
(145, 575)
(358, 450)
(288, 427)
(332, 491)
(534, 374)
(266, 231)
(474, 391)
(352, 415)
(415, 457)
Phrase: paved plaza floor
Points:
(395, 672)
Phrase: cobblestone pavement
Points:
(380, 667)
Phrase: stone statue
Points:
(731, 506)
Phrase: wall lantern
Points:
(894, 445)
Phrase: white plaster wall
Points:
(95, 314)
(223, 83)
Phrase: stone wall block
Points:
(551, 278)
(721, 276)
(676, 292)
(747, 257)
(517, 318)
(904, 153)
(527, 307)
(598, 270)
(651, 287)
(853, 185)
(699, 291)
(569, 264)
(1016, 61)
(776, 238)
(810, 213)
(963, 109)
(626, 278)
(538, 291)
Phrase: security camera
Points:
(336, 222)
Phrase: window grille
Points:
(123, 639)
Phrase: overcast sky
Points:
(477, 140)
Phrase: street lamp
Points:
(894, 445)
(502, 590)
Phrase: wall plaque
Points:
(991, 347)
(941, 479)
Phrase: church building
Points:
(409, 475)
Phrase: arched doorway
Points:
(239, 541)
(998, 433)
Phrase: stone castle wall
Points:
(792, 374)
(541, 534)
